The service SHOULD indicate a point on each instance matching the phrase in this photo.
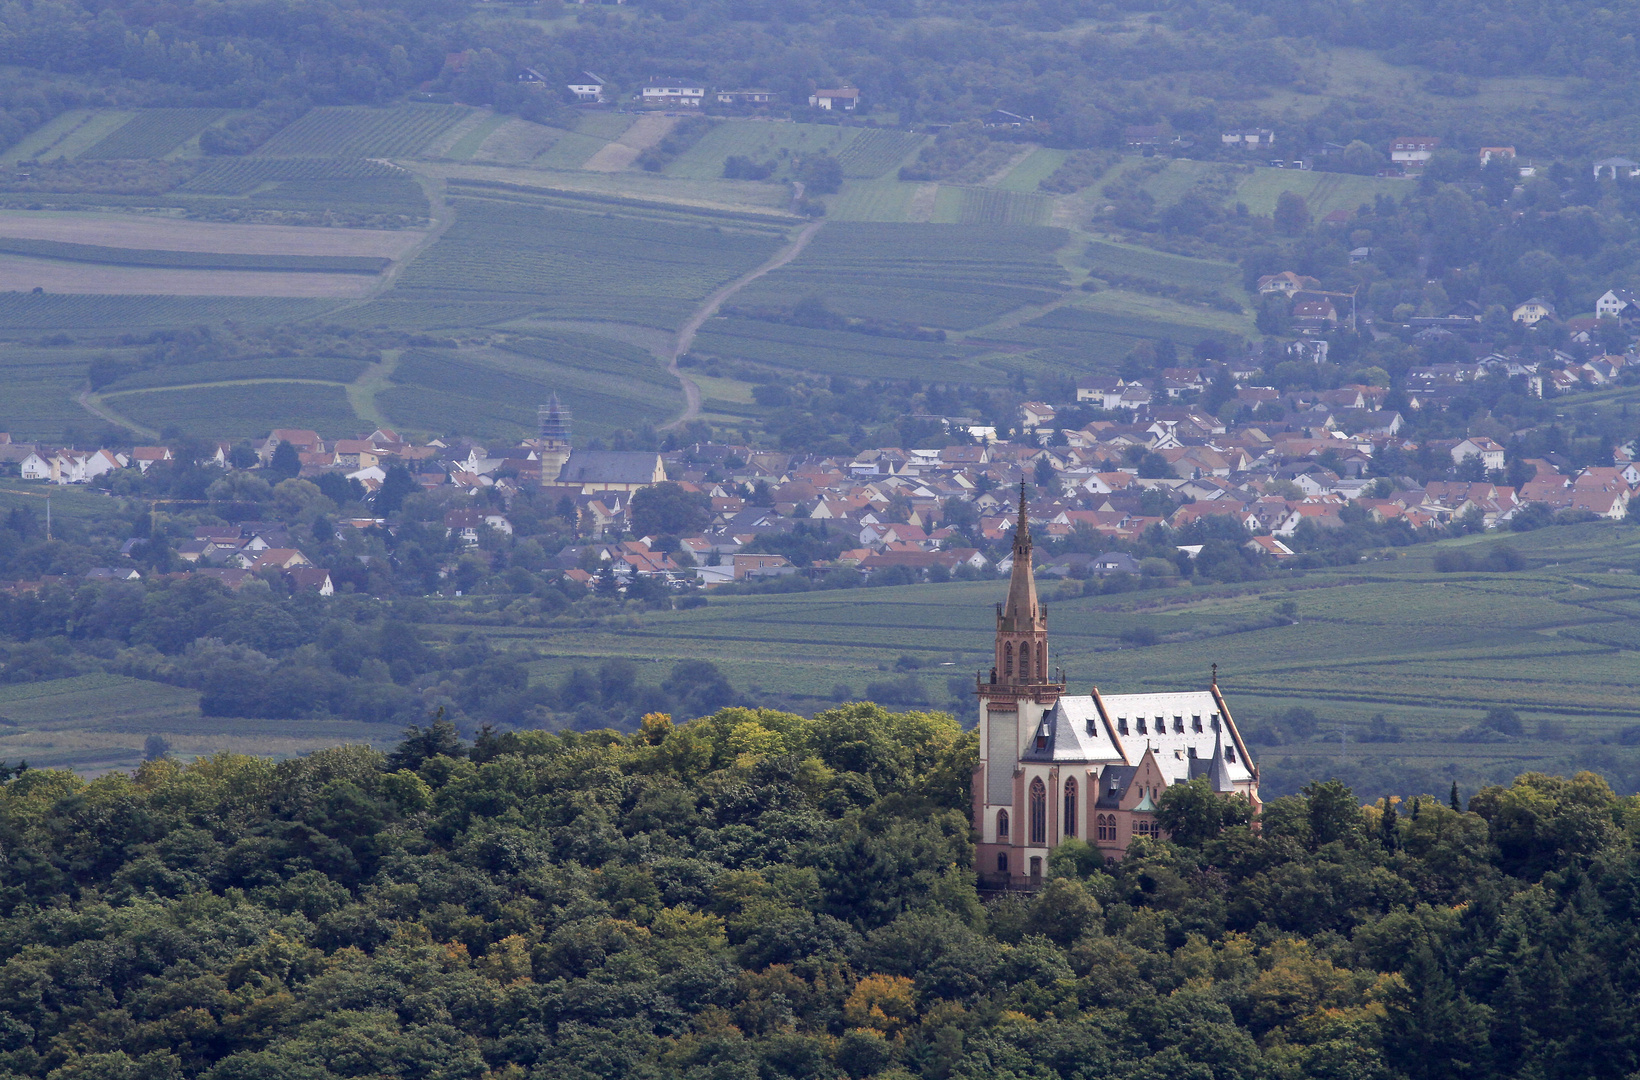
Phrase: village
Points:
(1291, 466)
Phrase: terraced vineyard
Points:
(25, 311)
(1096, 340)
(242, 410)
(192, 260)
(990, 206)
(240, 176)
(570, 264)
(357, 131)
(325, 369)
(836, 352)
(1160, 266)
(946, 276)
(874, 152)
(153, 133)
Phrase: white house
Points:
(1490, 453)
(590, 89)
(1613, 303)
(1249, 137)
(846, 98)
(34, 467)
(673, 93)
(1413, 151)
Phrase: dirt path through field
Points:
(686, 335)
(93, 405)
(921, 206)
(645, 132)
(361, 392)
(1013, 163)
(443, 216)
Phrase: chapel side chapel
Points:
(1056, 766)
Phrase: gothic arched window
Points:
(1002, 824)
(1039, 812)
(1070, 807)
(1008, 660)
(1042, 660)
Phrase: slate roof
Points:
(609, 467)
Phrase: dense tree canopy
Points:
(755, 894)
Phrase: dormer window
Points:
(1196, 724)
(1042, 739)
(1215, 721)
(1121, 724)
(1229, 753)
(1142, 730)
(1178, 725)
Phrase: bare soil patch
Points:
(19, 274)
(172, 234)
(645, 132)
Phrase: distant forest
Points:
(1193, 65)
(755, 895)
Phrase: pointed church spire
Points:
(1022, 613)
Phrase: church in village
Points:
(1055, 766)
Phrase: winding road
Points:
(710, 306)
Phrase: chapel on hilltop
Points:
(1055, 766)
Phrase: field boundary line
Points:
(710, 306)
(213, 385)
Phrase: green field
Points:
(96, 722)
(153, 133)
(933, 275)
(241, 176)
(1033, 170)
(67, 136)
(112, 314)
(323, 368)
(1097, 332)
(241, 410)
(1430, 651)
(1323, 192)
(569, 151)
(356, 131)
(837, 352)
(990, 206)
(760, 141)
(875, 152)
(871, 200)
(1129, 261)
(192, 260)
(627, 266)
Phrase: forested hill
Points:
(758, 895)
(1082, 70)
